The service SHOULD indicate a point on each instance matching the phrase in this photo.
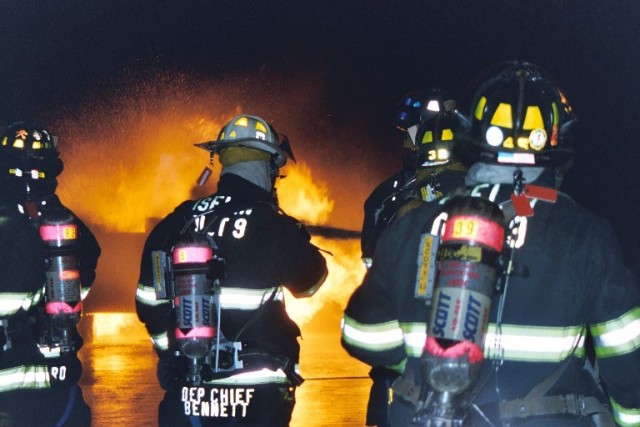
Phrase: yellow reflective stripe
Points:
(247, 299)
(11, 302)
(375, 337)
(147, 295)
(263, 376)
(533, 344)
(398, 367)
(617, 336)
(24, 377)
(415, 335)
(161, 341)
(625, 417)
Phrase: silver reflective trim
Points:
(247, 299)
(11, 302)
(24, 377)
(263, 376)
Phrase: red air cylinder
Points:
(467, 262)
(63, 290)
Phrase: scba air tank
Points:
(467, 263)
(63, 296)
(193, 291)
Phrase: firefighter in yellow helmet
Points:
(559, 277)
(236, 363)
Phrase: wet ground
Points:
(119, 379)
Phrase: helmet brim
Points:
(279, 155)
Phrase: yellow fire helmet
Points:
(251, 132)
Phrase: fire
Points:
(118, 327)
(130, 160)
(134, 171)
(301, 197)
(309, 201)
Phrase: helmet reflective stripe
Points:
(533, 118)
(502, 116)
(11, 302)
(480, 108)
(263, 376)
(618, 336)
(24, 377)
(247, 299)
(147, 295)
(415, 335)
(376, 337)
(160, 341)
(625, 416)
(533, 344)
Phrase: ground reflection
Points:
(119, 379)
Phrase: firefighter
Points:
(426, 173)
(263, 250)
(430, 122)
(561, 279)
(30, 165)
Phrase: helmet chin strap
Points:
(485, 173)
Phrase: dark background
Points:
(57, 56)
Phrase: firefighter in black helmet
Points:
(431, 124)
(562, 278)
(428, 119)
(29, 167)
(263, 249)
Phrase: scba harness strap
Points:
(537, 404)
(570, 404)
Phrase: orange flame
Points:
(308, 200)
(131, 159)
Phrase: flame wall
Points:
(129, 157)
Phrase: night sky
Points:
(56, 56)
